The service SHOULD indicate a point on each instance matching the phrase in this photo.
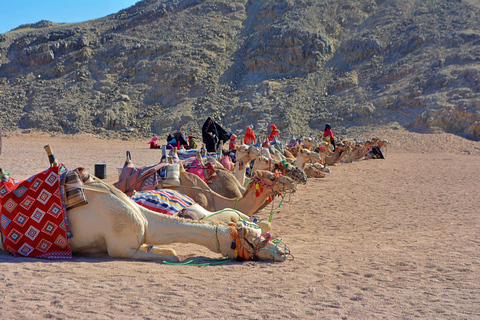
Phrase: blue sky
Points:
(14, 13)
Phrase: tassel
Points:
(270, 200)
(257, 194)
(261, 189)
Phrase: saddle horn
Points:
(51, 156)
(128, 158)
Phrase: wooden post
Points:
(51, 156)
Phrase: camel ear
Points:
(181, 168)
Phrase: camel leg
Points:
(137, 254)
(156, 250)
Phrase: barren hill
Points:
(162, 65)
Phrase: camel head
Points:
(309, 156)
(251, 243)
(291, 171)
(309, 143)
(250, 151)
(326, 147)
(277, 182)
(262, 163)
(297, 174)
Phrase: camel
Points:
(305, 156)
(270, 185)
(263, 163)
(112, 223)
(314, 170)
(308, 143)
(224, 182)
(340, 152)
(245, 155)
(184, 208)
(291, 171)
(358, 151)
(193, 186)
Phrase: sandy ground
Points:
(379, 239)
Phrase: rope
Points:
(216, 238)
(4, 174)
(279, 206)
(245, 222)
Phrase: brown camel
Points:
(270, 183)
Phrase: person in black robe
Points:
(213, 135)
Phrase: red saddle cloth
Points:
(33, 216)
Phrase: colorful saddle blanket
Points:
(164, 201)
(33, 216)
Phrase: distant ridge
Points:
(162, 65)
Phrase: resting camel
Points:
(314, 170)
(305, 156)
(194, 187)
(340, 152)
(291, 171)
(308, 143)
(357, 152)
(271, 184)
(223, 182)
(113, 223)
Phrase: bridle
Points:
(245, 250)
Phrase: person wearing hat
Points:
(231, 145)
(273, 133)
(153, 143)
(249, 137)
(328, 135)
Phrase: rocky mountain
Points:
(162, 65)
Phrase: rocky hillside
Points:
(162, 65)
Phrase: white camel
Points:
(245, 154)
(306, 156)
(112, 223)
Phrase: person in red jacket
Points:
(328, 135)
(249, 137)
(273, 133)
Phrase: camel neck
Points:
(250, 203)
(163, 229)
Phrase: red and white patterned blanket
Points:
(33, 216)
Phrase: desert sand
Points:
(397, 238)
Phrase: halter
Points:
(239, 245)
(244, 250)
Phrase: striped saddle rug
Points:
(163, 201)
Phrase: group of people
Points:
(214, 136)
(176, 140)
